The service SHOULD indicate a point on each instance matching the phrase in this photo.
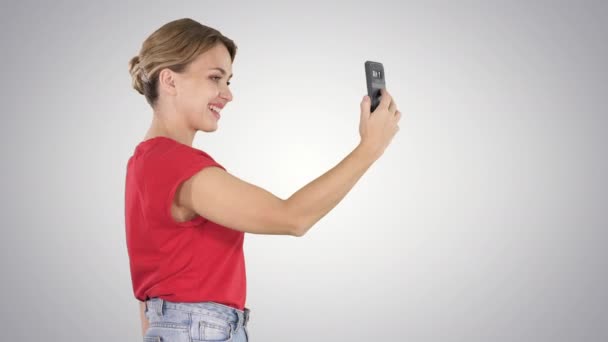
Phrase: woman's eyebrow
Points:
(223, 71)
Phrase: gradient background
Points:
(485, 220)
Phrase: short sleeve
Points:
(164, 172)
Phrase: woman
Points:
(185, 215)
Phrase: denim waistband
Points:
(230, 314)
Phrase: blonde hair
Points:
(174, 45)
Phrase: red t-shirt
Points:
(192, 261)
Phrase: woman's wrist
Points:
(368, 151)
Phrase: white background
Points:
(485, 220)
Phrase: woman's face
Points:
(201, 85)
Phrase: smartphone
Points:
(374, 76)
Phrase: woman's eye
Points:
(219, 77)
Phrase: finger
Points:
(385, 99)
(397, 115)
(392, 107)
(365, 107)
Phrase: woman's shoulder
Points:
(167, 150)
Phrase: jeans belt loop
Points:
(246, 314)
(159, 307)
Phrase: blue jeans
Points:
(188, 322)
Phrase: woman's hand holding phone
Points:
(378, 128)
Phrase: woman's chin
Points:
(209, 126)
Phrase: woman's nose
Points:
(227, 94)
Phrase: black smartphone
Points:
(374, 75)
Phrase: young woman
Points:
(185, 215)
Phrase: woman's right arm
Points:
(317, 198)
(312, 202)
(225, 199)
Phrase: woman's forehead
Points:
(213, 58)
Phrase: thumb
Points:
(365, 107)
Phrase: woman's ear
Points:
(166, 81)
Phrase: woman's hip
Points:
(203, 321)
